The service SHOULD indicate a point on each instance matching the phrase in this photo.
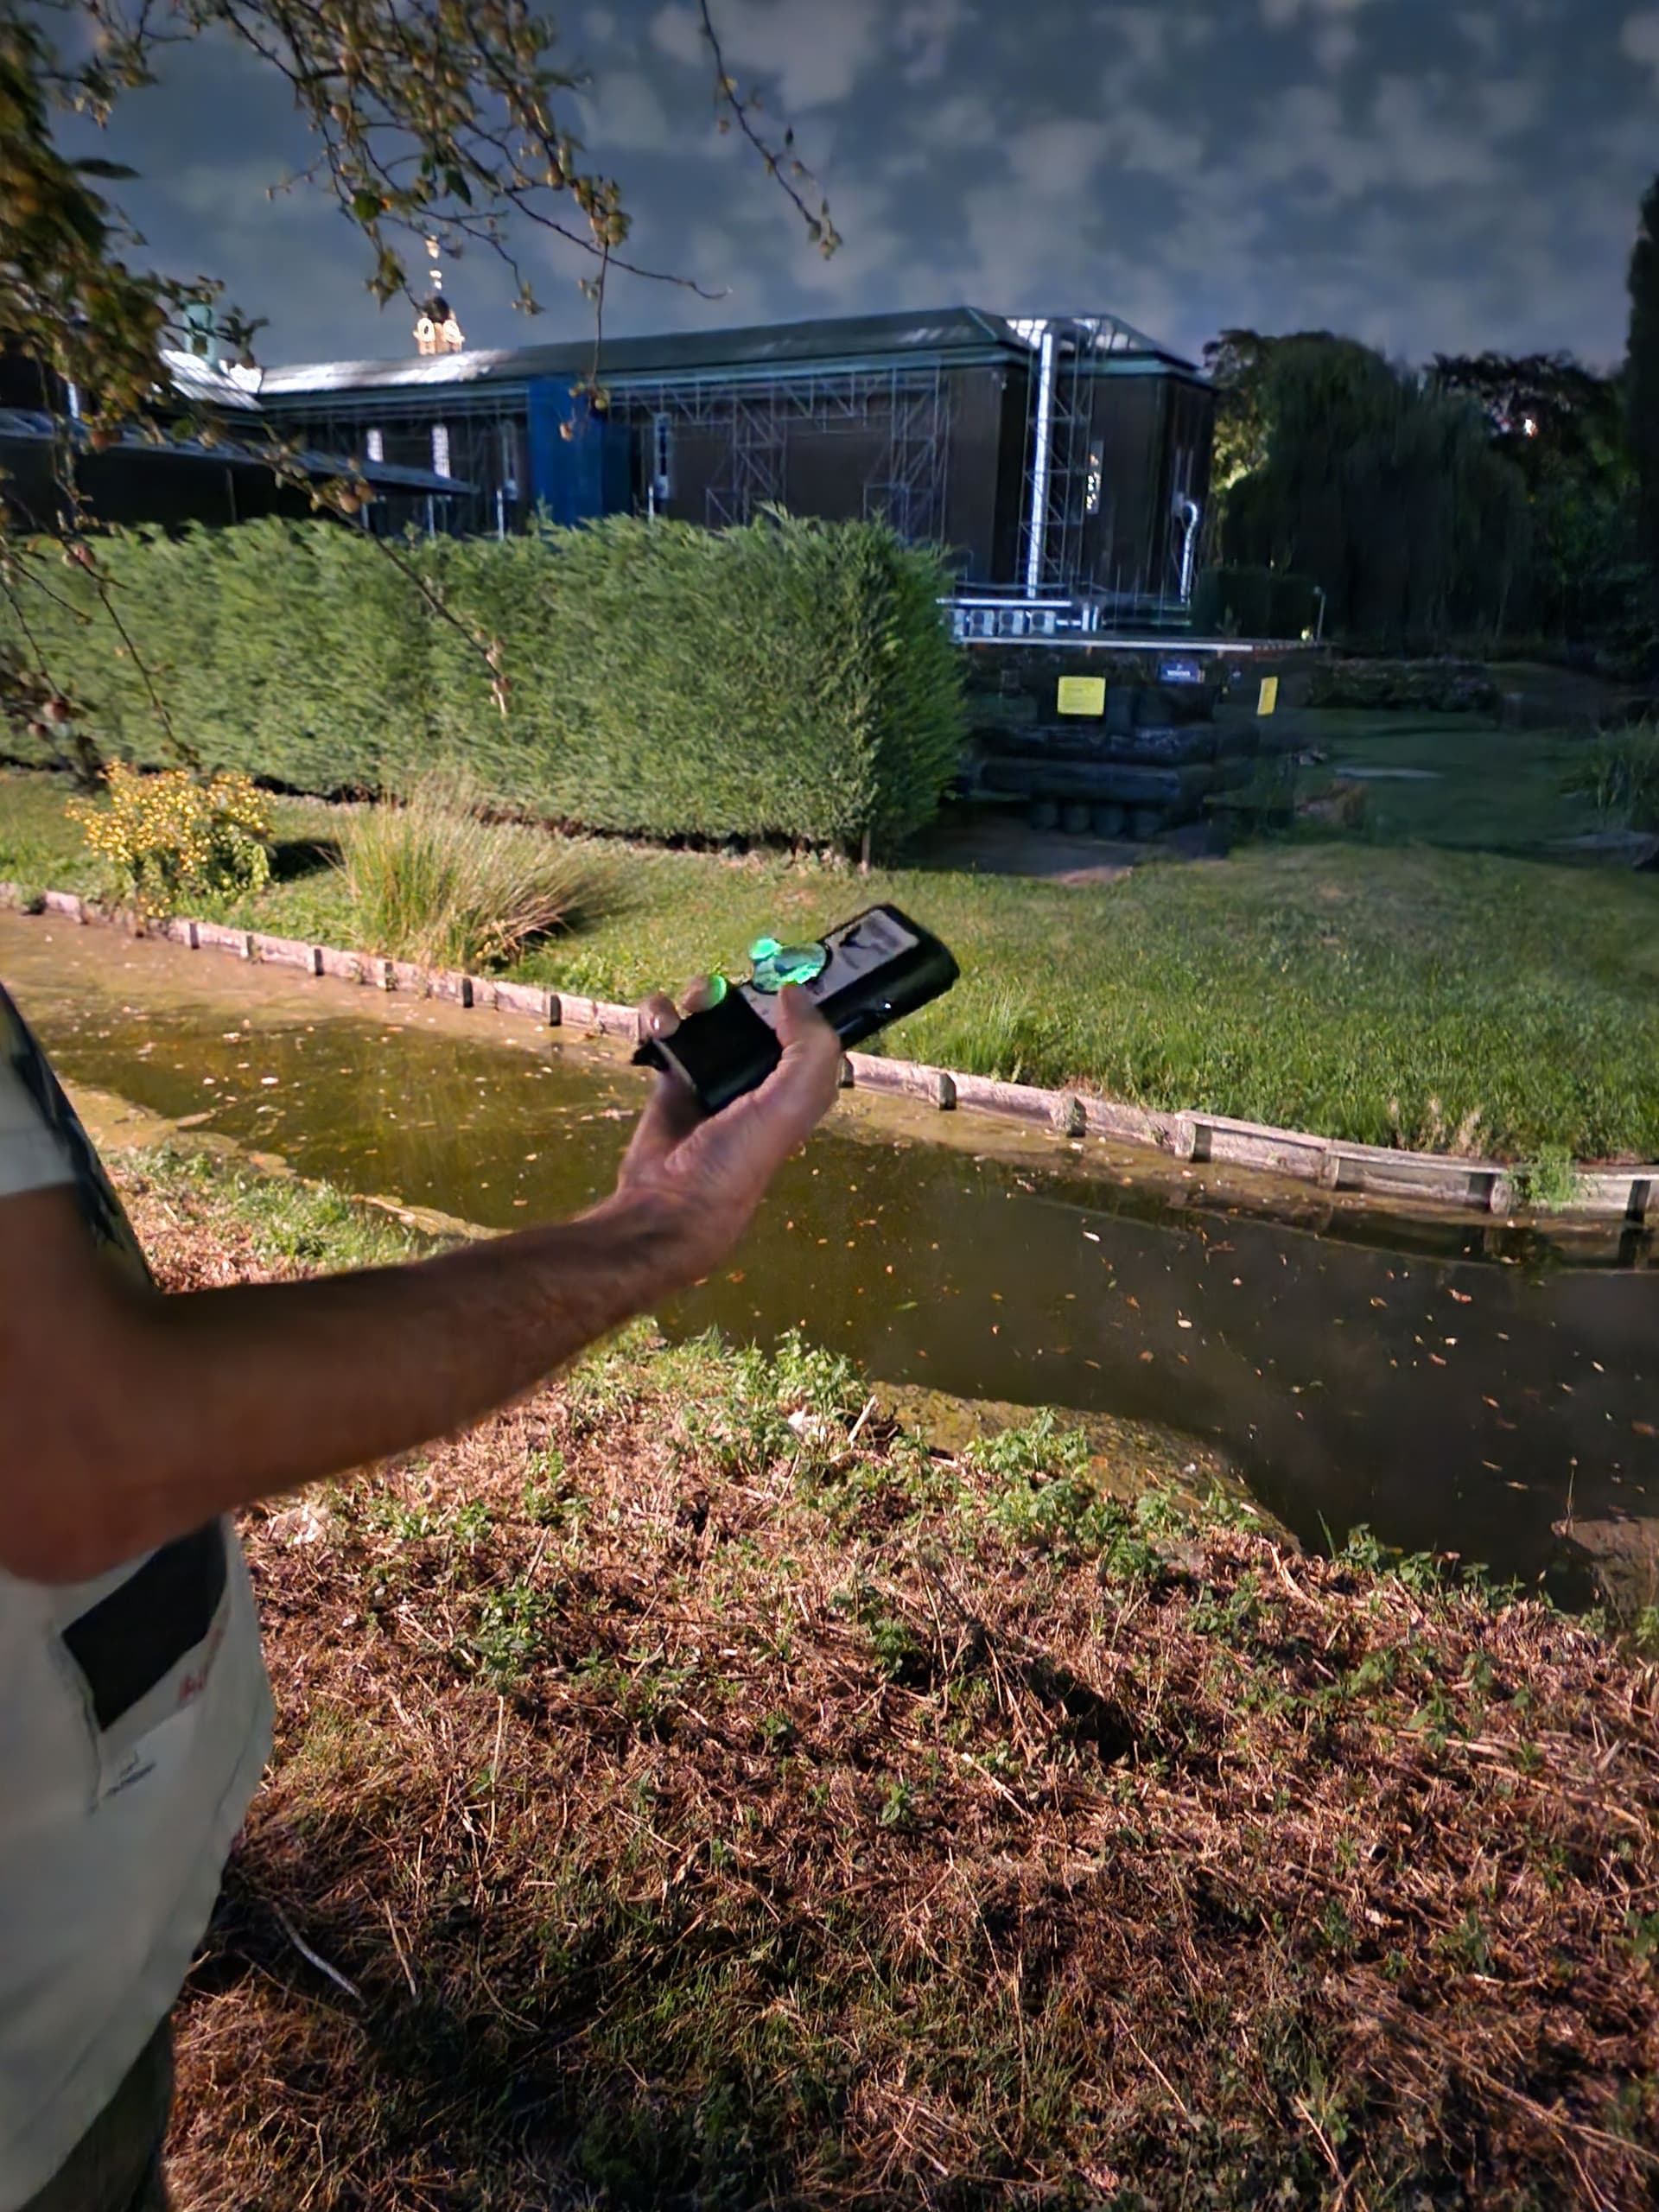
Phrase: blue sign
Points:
(1180, 671)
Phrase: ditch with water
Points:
(1452, 1386)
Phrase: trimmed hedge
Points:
(788, 679)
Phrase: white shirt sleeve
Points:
(31, 1157)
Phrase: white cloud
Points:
(1278, 14)
(1509, 105)
(624, 112)
(1054, 161)
(872, 243)
(1335, 47)
(962, 119)
(1413, 141)
(924, 31)
(1639, 39)
(1142, 33)
(1483, 32)
(677, 32)
(813, 52)
(1136, 138)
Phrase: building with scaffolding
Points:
(1062, 462)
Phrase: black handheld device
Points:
(864, 975)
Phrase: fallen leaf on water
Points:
(1379, 1301)
(1181, 1321)
(1091, 1235)
(1643, 1428)
(1436, 1359)
(1464, 1297)
(1131, 1299)
(1146, 1355)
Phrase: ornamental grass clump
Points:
(434, 881)
(170, 835)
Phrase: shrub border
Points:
(1626, 1194)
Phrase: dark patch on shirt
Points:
(134, 1638)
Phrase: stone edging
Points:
(1626, 1194)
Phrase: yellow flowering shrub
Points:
(167, 835)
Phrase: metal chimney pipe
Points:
(1191, 517)
(1041, 458)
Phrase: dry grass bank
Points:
(715, 1799)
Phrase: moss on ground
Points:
(713, 1796)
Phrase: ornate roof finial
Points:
(436, 330)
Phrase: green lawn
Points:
(1379, 993)
(1467, 787)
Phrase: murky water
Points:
(1410, 1377)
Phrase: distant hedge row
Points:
(788, 679)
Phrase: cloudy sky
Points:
(1429, 174)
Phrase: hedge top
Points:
(787, 679)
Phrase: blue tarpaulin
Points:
(583, 475)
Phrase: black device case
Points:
(729, 1049)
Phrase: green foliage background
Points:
(789, 679)
(1641, 387)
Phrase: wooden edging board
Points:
(1627, 1194)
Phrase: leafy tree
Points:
(1537, 404)
(1564, 428)
(1237, 364)
(1642, 377)
(1384, 489)
(437, 119)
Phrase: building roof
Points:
(216, 384)
(30, 427)
(948, 336)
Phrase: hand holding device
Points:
(870, 971)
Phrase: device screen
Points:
(847, 955)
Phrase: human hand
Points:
(706, 1174)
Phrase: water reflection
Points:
(1449, 1385)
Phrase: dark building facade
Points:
(1064, 456)
(204, 456)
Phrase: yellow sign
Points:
(1267, 700)
(1080, 694)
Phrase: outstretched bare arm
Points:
(130, 1418)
